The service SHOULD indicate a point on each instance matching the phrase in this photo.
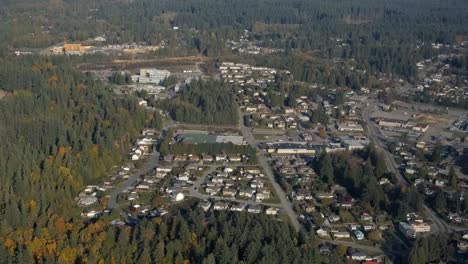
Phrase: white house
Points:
(271, 211)
(179, 197)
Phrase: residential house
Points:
(341, 234)
(358, 234)
(207, 158)
(366, 217)
(213, 190)
(238, 207)
(253, 170)
(205, 205)
(368, 227)
(257, 184)
(180, 158)
(334, 218)
(219, 206)
(178, 197)
(235, 159)
(321, 232)
(219, 158)
(272, 211)
(229, 192)
(260, 197)
(324, 249)
(254, 209)
(358, 255)
(247, 192)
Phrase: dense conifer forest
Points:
(61, 129)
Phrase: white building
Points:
(152, 75)
(421, 227)
(179, 197)
(271, 211)
(86, 201)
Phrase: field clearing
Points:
(173, 64)
(431, 119)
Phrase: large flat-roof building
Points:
(151, 76)
(290, 148)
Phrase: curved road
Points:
(376, 136)
(149, 165)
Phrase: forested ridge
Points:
(59, 131)
(381, 36)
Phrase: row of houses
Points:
(207, 159)
(243, 183)
(244, 74)
(237, 207)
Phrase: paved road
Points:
(149, 165)
(198, 195)
(262, 161)
(353, 245)
(377, 137)
(193, 191)
(46, 50)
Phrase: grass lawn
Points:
(273, 200)
(346, 216)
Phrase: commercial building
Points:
(353, 145)
(290, 148)
(151, 76)
(390, 123)
(407, 230)
(71, 49)
(350, 127)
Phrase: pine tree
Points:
(452, 178)
(326, 169)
